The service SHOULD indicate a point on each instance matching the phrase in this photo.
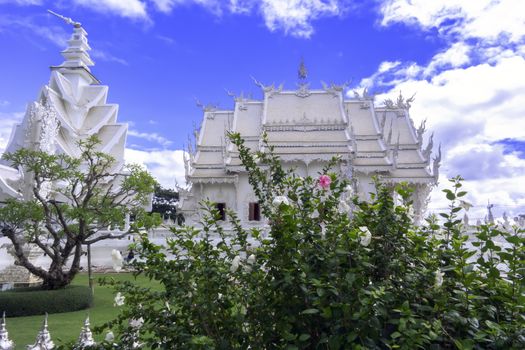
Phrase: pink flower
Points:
(324, 181)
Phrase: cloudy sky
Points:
(464, 60)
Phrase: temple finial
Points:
(43, 339)
(5, 343)
(490, 216)
(85, 338)
(302, 73)
(76, 54)
(68, 20)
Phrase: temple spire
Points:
(302, 72)
(76, 54)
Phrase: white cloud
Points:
(22, 2)
(4, 103)
(469, 93)
(456, 55)
(134, 9)
(470, 107)
(107, 57)
(53, 33)
(167, 6)
(154, 137)
(487, 19)
(293, 17)
(7, 121)
(166, 166)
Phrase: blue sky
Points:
(462, 59)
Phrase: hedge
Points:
(33, 301)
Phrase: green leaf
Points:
(304, 337)
(310, 311)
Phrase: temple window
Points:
(254, 213)
(221, 208)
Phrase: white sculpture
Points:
(43, 339)
(5, 342)
(85, 339)
(71, 107)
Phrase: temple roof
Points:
(306, 125)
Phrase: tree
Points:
(72, 202)
(165, 203)
(329, 272)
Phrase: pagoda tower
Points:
(71, 107)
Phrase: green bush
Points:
(333, 272)
(33, 301)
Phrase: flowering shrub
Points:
(333, 272)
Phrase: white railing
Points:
(43, 339)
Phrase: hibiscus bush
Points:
(329, 272)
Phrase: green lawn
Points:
(65, 327)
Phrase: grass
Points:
(65, 327)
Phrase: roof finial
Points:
(68, 20)
(5, 343)
(302, 73)
(490, 216)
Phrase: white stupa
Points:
(71, 107)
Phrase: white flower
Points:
(277, 201)
(323, 230)
(167, 306)
(465, 205)
(315, 214)
(235, 264)
(136, 323)
(109, 337)
(119, 299)
(365, 236)
(117, 260)
(247, 268)
(349, 191)
(251, 259)
(343, 207)
(411, 214)
(439, 279)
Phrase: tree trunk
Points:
(56, 280)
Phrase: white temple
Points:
(307, 128)
(70, 108)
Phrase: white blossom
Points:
(136, 323)
(235, 264)
(119, 299)
(109, 337)
(439, 279)
(323, 230)
(411, 214)
(277, 201)
(365, 236)
(343, 207)
(349, 191)
(251, 259)
(117, 260)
